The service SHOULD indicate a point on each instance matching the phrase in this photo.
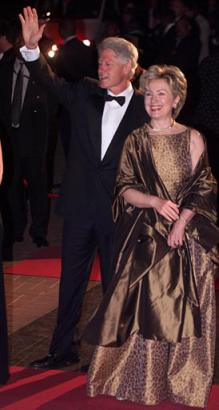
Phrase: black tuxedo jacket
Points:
(88, 184)
(31, 137)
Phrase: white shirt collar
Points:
(125, 93)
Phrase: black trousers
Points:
(81, 241)
(33, 169)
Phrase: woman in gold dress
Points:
(155, 328)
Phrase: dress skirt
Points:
(148, 371)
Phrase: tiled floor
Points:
(28, 299)
(30, 338)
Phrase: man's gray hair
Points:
(124, 49)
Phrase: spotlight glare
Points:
(51, 53)
(86, 42)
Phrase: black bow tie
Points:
(120, 99)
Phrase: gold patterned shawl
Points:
(153, 290)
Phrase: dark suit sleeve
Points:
(65, 92)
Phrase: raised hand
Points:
(31, 30)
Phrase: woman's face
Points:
(159, 100)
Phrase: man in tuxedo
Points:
(25, 112)
(103, 113)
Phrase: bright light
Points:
(51, 53)
(86, 42)
(48, 13)
(54, 47)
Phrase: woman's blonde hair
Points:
(175, 79)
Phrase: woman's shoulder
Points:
(197, 139)
(197, 145)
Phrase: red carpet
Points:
(45, 263)
(29, 389)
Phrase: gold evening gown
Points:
(148, 371)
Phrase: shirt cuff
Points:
(30, 54)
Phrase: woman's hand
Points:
(31, 31)
(177, 233)
(168, 209)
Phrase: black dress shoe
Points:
(40, 241)
(55, 361)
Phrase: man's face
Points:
(113, 72)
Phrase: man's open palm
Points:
(32, 33)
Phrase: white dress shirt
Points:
(30, 54)
(112, 116)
